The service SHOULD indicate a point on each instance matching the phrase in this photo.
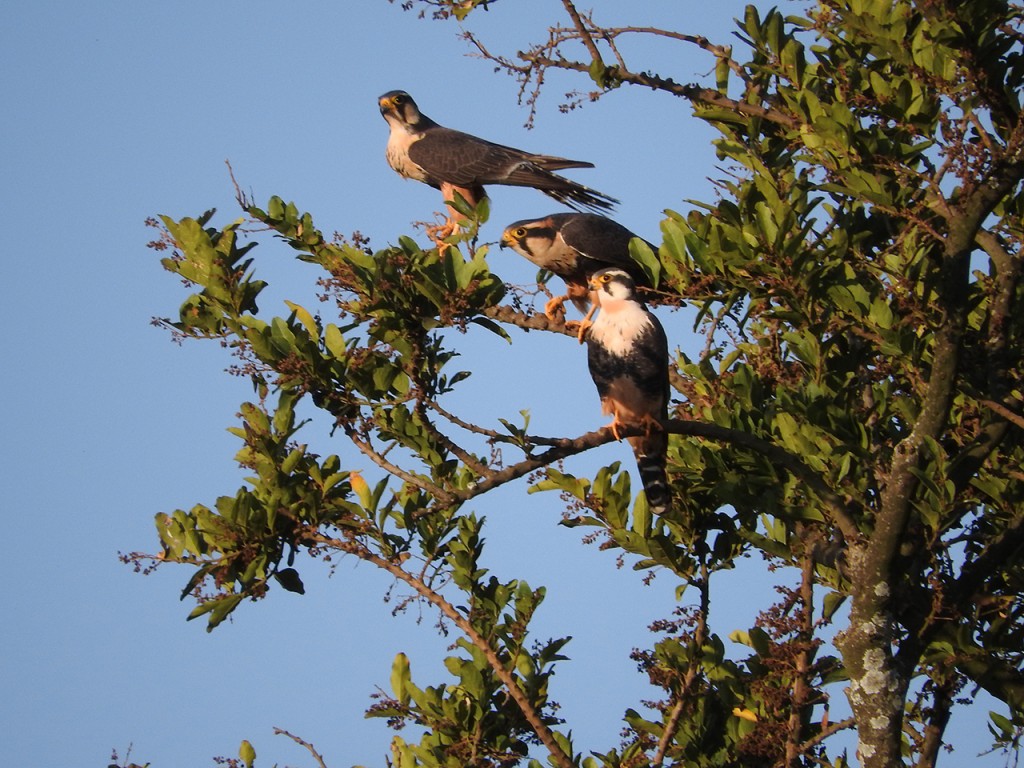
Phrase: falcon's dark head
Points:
(529, 238)
(615, 283)
(398, 106)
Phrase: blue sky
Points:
(117, 111)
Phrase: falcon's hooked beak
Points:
(386, 104)
(595, 284)
(514, 237)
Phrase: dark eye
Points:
(519, 232)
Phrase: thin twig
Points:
(302, 743)
(723, 52)
(493, 434)
(581, 28)
(377, 458)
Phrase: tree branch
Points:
(801, 688)
(937, 720)
(691, 92)
(367, 450)
(1007, 413)
(842, 511)
(533, 717)
(316, 755)
(528, 322)
(581, 28)
(700, 636)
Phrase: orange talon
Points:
(585, 323)
(555, 308)
(438, 232)
(614, 427)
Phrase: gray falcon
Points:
(627, 353)
(453, 161)
(574, 246)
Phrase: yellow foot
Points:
(438, 232)
(580, 327)
(555, 308)
(614, 427)
(585, 323)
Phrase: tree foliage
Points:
(855, 413)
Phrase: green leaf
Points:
(493, 327)
(642, 254)
(246, 753)
(303, 316)
(401, 676)
(831, 603)
(335, 341)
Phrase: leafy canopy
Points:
(855, 414)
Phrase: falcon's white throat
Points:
(619, 322)
(397, 151)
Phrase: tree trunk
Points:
(876, 691)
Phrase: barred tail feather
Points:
(581, 198)
(650, 462)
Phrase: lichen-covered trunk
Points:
(876, 691)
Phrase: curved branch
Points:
(367, 450)
(722, 52)
(532, 715)
(841, 510)
(302, 743)
(493, 434)
(963, 229)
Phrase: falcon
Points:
(456, 162)
(574, 246)
(627, 353)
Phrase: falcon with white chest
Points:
(627, 352)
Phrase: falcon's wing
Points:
(649, 364)
(462, 159)
(603, 243)
(459, 158)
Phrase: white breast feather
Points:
(618, 329)
(397, 153)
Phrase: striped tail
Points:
(650, 462)
(577, 196)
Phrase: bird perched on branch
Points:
(627, 353)
(574, 246)
(456, 162)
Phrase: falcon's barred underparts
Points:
(453, 161)
(574, 246)
(627, 352)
